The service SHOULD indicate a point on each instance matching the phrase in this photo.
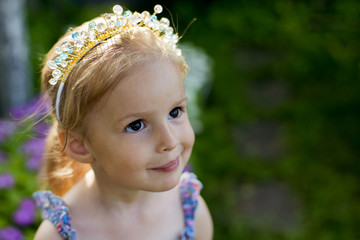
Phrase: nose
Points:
(167, 138)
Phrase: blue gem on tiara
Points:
(58, 60)
(153, 18)
(120, 23)
(127, 13)
(70, 50)
(63, 56)
(75, 35)
(92, 24)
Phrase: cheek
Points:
(188, 136)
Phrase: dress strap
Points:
(54, 209)
(190, 188)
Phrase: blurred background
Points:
(275, 104)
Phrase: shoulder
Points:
(203, 222)
(190, 188)
(57, 219)
(47, 231)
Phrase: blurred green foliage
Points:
(309, 47)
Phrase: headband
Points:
(69, 53)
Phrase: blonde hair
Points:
(94, 76)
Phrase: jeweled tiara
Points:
(69, 53)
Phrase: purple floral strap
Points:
(54, 209)
(190, 188)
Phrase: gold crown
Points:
(71, 52)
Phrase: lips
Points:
(168, 167)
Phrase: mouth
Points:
(168, 167)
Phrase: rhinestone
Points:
(64, 63)
(107, 16)
(127, 13)
(155, 25)
(153, 18)
(101, 27)
(162, 29)
(75, 35)
(118, 9)
(53, 81)
(63, 56)
(92, 24)
(65, 46)
(165, 22)
(175, 38)
(145, 14)
(178, 52)
(79, 43)
(146, 20)
(135, 18)
(56, 74)
(71, 50)
(58, 60)
(169, 30)
(120, 23)
(84, 34)
(57, 50)
(51, 65)
(92, 32)
(92, 37)
(111, 24)
(167, 38)
(158, 8)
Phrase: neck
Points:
(114, 197)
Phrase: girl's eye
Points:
(175, 113)
(135, 126)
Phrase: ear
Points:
(75, 147)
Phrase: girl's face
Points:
(140, 137)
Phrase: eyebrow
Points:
(134, 115)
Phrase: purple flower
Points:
(25, 214)
(41, 129)
(37, 105)
(34, 146)
(10, 233)
(34, 149)
(6, 129)
(33, 162)
(6, 181)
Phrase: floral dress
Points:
(54, 209)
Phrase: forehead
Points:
(148, 87)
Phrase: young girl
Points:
(121, 136)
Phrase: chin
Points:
(169, 180)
